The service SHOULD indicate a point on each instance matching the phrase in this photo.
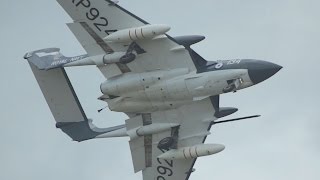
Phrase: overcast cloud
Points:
(282, 144)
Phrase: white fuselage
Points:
(160, 90)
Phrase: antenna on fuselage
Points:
(99, 110)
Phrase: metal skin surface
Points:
(173, 91)
(192, 152)
(138, 33)
(170, 93)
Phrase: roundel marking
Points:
(218, 66)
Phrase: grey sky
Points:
(282, 144)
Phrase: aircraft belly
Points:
(131, 105)
(177, 89)
(157, 94)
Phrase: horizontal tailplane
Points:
(50, 58)
(63, 101)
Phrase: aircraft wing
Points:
(193, 125)
(188, 125)
(96, 19)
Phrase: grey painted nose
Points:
(261, 70)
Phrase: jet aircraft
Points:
(168, 91)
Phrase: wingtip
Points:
(27, 55)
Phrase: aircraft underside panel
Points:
(193, 122)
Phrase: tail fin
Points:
(63, 101)
(50, 58)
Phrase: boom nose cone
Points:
(262, 70)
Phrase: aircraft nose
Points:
(261, 70)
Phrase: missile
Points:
(138, 33)
(99, 60)
(192, 152)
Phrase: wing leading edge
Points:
(94, 20)
(193, 124)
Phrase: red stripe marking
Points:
(196, 151)
(190, 152)
(135, 31)
(130, 35)
(184, 154)
(142, 34)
